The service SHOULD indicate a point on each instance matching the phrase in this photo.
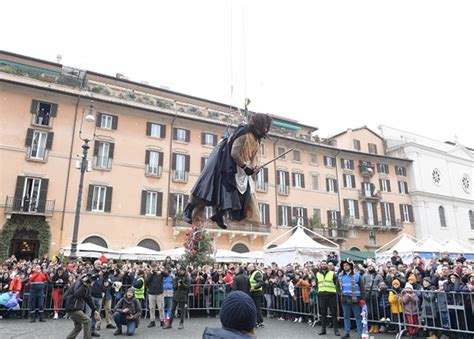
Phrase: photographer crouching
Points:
(76, 297)
(127, 312)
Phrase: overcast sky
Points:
(329, 64)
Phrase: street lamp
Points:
(83, 168)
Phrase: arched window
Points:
(150, 244)
(355, 249)
(272, 246)
(96, 241)
(442, 217)
(240, 248)
(471, 219)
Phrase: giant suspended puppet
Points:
(226, 181)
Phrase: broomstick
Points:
(276, 158)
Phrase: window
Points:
(208, 212)
(316, 219)
(315, 182)
(471, 219)
(98, 199)
(403, 187)
(106, 121)
(284, 215)
(406, 213)
(180, 202)
(240, 248)
(180, 166)
(43, 112)
(283, 182)
(372, 238)
(329, 161)
(300, 216)
(208, 139)
(38, 145)
(349, 181)
(262, 149)
(298, 180)
(150, 206)
(155, 130)
(401, 171)
(30, 195)
(347, 164)
(264, 213)
(331, 185)
(442, 217)
(203, 162)
(382, 168)
(372, 148)
(366, 189)
(333, 218)
(151, 203)
(296, 155)
(313, 158)
(261, 182)
(370, 213)
(356, 144)
(177, 203)
(154, 163)
(150, 244)
(351, 208)
(181, 134)
(103, 154)
(388, 214)
(385, 185)
(280, 151)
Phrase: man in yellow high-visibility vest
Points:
(327, 283)
(256, 291)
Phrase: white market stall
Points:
(90, 250)
(227, 256)
(139, 253)
(299, 247)
(404, 244)
(428, 247)
(175, 253)
(456, 247)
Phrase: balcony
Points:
(283, 189)
(366, 168)
(385, 225)
(368, 195)
(33, 207)
(235, 228)
(180, 176)
(154, 171)
(333, 233)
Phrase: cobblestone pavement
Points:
(193, 328)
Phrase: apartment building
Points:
(149, 146)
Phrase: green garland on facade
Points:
(26, 223)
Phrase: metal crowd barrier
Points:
(435, 312)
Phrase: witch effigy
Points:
(226, 181)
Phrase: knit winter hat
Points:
(238, 312)
(408, 286)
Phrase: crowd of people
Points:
(435, 294)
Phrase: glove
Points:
(248, 170)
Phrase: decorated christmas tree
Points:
(198, 247)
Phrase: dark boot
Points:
(151, 324)
(188, 213)
(162, 323)
(32, 317)
(336, 332)
(219, 220)
(181, 325)
(41, 317)
(322, 332)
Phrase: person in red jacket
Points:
(16, 284)
(37, 281)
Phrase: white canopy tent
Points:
(254, 256)
(140, 253)
(227, 256)
(175, 253)
(404, 244)
(299, 247)
(90, 250)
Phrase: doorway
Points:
(25, 245)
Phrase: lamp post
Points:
(83, 168)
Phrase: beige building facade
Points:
(150, 146)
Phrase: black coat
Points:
(216, 185)
(181, 287)
(154, 283)
(77, 296)
(241, 283)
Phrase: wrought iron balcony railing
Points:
(26, 206)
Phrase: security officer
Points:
(138, 285)
(256, 291)
(327, 283)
